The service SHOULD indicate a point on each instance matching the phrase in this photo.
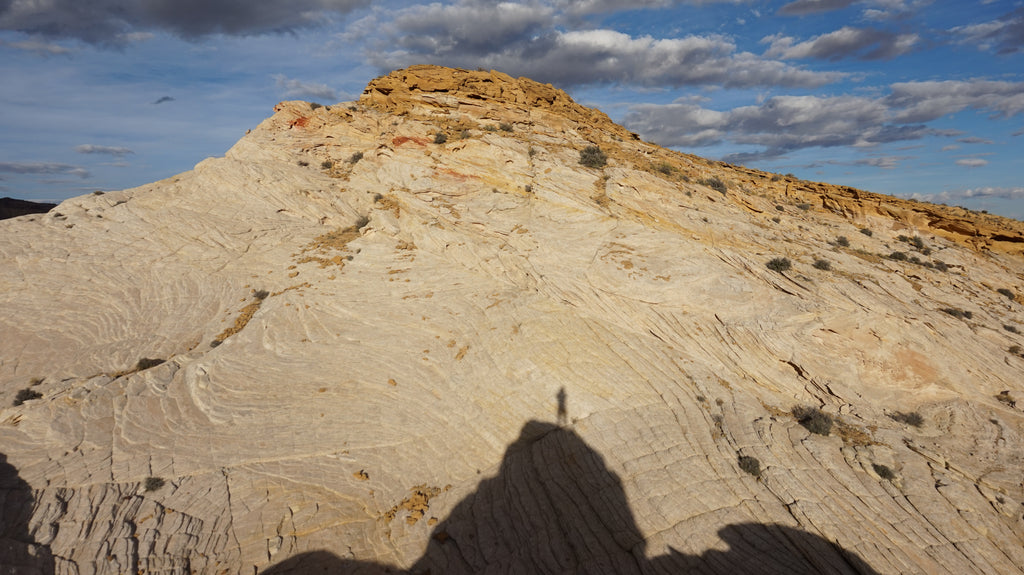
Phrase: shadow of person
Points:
(19, 552)
(555, 507)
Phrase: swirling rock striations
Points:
(414, 333)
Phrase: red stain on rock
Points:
(300, 122)
(457, 175)
(398, 141)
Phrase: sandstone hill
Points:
(414, 333)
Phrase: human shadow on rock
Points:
(19, 552)
(555, 507)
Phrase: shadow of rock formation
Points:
(555, 508)
(19, 552)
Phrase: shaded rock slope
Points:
(414, 333)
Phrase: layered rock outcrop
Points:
(353, 343)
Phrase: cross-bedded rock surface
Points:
(387, 349)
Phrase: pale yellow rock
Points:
(484, 346)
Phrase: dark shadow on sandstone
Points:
(555, 508)
(19, 552)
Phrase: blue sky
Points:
(915, 98)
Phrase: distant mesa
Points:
(12, 208)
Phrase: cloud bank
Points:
(110, 21)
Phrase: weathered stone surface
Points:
(482, 356)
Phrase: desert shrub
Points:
(505, 127)
(714, 183)
(779, 264)
(303, 163)
(215, 343)
(957, 312)
(362, 222)
(750, 464)
(914, 260)
(465, 135)
(883, 471)
(593, 157)
(528, 188)
(917, 242)
(260, 294)
(355, 157)
(804, 207)
(146, 363)
(531, 152)
(97, 193)
(913, 418)
(314, 105)
(26, 394)
(1009, 294)
(867, 232)
(842, 241)
(822, 265)
(326, 164)
(665, 168)
(776, 219)
(898, 256)
(1014, 349)
(1011, 328)
(776, 177)
(440, 138)
(153, 483)
(940, 265)
(813, 419)
(780, 208)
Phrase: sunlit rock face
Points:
(415, 333)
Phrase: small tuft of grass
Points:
(750, 464)
(146, 363)
(842, 242)
(326, 164)
(913, 418)
(1008, 293)
(260, 294)
(883, 471)
(26, 394)
(940, 265)
(957, 312)
(1004, 398)
(355, 157)
(898, 256)
(153, 483)
(1011, 328)
(813, 419)
(1014, 349)
(776, 219)
(779, 264)
(867, 232)
(593, 157)
(440, 138)
(505, 127)
(804, 207)
(822, 265)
